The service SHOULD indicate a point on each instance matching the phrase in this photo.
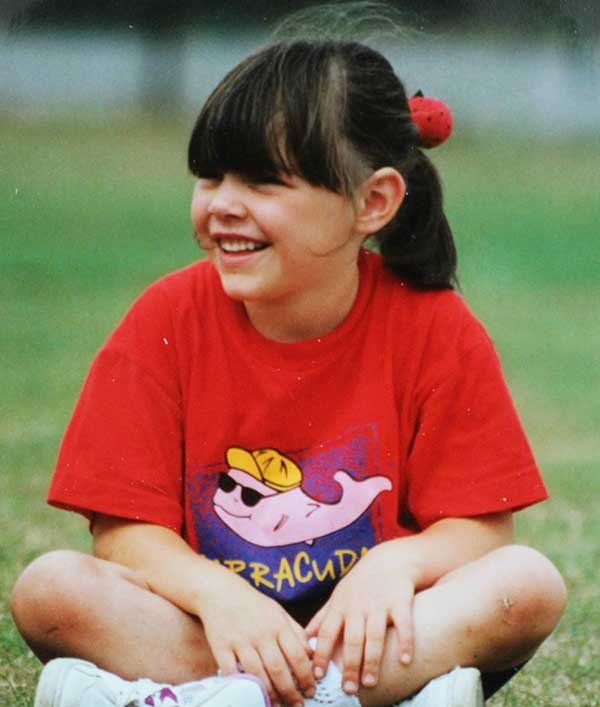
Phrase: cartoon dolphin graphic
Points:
(260, 499)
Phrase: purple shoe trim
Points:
(165, 694)
(252, 678)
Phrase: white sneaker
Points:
(329, 691)
(68, 682)
(459, 688)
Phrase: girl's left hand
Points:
(376, 593)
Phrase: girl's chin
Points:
(243, 288)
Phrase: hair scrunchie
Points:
(433, 119)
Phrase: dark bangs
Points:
(278, 112)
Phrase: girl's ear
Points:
(379, 198)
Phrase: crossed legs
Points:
(492, 614)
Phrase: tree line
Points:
(570, 19)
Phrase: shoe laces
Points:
(329, 691)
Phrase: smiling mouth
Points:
(235, 245)
(234, 515)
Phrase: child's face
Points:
(275, 241)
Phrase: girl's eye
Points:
(269, 179)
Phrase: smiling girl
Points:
(298, 378)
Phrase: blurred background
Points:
(97, 100)
(530, 66)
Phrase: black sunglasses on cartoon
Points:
(250, 497)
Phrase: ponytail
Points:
(418, 246)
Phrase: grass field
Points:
(91, 213)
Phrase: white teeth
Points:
(233, 246)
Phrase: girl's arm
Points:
(242, 626)
(386, 580)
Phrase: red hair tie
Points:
(432, 118)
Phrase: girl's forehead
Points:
(227, 140)
(287, 110)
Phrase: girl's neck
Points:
(308, 316)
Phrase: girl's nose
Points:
(227, 200)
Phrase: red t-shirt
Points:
(286, 462)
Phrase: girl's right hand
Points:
(248, 631)
(244, 628)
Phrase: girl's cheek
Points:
(199, 218)
(201, 197)
(198, 211)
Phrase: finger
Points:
(313, 625)
(251, 662)
(300, 634)
(402, 618)
(354, 643)
(326, 639)
(297, 657)
(225, 659)
(280, 674)
(374, 644)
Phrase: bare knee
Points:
(532, 593)
(46, 595)
(53, 595)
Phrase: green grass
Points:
(92, 213)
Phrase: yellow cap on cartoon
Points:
(267, 465)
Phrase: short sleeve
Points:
(469, 455)
(122, 451)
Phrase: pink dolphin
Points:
(272, 518)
